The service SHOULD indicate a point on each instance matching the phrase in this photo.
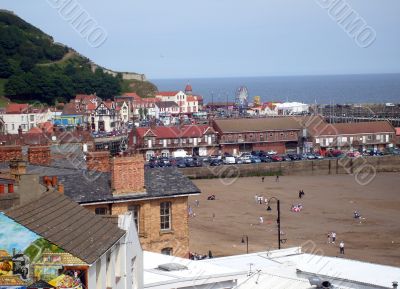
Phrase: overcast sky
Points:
(219, 38)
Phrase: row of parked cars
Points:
(255, 157)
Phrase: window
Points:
(165, 215)
(167, 251)
(135, 209)
(369, 137)
(271, 134)
(160, 142)
(100, 211)
(176, 141)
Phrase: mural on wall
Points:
(26, 257)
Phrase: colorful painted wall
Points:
(26, 258)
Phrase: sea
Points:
(326, 89)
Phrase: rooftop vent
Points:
(321, 284)
(172, 267)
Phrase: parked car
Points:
(310, 156)
(265, 159)
(293, 157)
(228, 160)
(215, 162)
(276, 158)
(318, 156)
(285, 158)
(239, 160)
(255, 160)
(181, 163)
(246, 159)
(198, 162)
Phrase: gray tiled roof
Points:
(159, 182)
(66, 224)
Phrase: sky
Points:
(223, 38)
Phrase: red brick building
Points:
(163, 141)
(376, 135)
(280, 134)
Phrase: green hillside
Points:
(35, 68)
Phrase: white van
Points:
(229, 160)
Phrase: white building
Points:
(166, 272)
(25, 117)
(177, 96)
(105, 117)
(292, 108)
(292, 269)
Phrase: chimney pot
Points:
(60, 188)
(54, 181)
(10, 188)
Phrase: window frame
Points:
(165, 216)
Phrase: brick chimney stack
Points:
(8, 153)
(39, 155)
(127, 175)
(17, 168)
(98, 161)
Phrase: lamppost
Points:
(278, 220)
(247, 242)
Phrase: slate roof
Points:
(257, 124)
(68, 225)
(166, 104)
(91, 187)
(365, 127)
(85, 186)
(172, 132)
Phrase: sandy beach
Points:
(328, 205)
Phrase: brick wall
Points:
(151, 237)
(127, 174)
(8, 153)
(98, 161)
(39, 155)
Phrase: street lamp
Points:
(245, 237)
(278, 220)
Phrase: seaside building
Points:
(279, 134)
(19, 118)
(359, 136)
(196, 140)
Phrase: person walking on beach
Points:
(197, 203)
(262, 179)
(329, 238)
(277, 178)
(261, 220)
(333, 234)
(341, 247)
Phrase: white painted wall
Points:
(27, 121)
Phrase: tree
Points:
(5, 67)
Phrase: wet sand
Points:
(328, 205)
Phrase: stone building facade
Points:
(157, 198)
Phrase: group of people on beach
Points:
(332, 240)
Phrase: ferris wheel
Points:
(242, 95)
